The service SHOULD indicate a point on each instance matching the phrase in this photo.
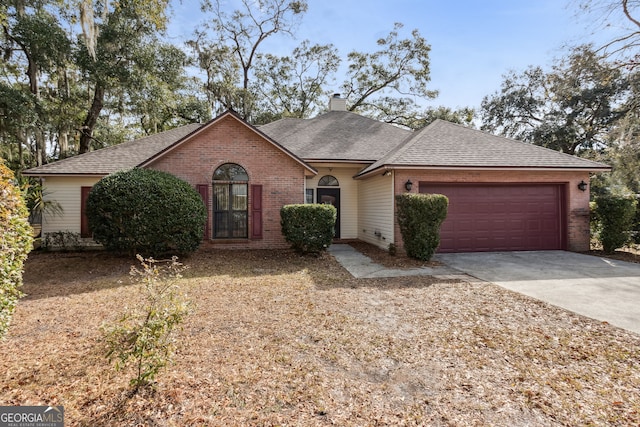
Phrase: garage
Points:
(501, 217)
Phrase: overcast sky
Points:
(473, 43)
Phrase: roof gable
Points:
(144, 151)
(232, 115)
(444, 144)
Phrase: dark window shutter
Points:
(256, 211)
(203, 189)
(84, 221)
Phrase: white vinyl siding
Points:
(376, 211)
(348, 196)
(67, 192)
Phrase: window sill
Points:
(230, 241)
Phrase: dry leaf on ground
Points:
(279, 339)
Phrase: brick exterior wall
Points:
(227, 140)
(282, 178)
(576, 203)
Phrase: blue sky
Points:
(473, 43)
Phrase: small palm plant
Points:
(38, 203)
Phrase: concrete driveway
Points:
(600, 288)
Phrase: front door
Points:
(332, 197)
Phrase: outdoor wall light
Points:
(582, 186)
(408, 185)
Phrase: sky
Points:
(473, 43)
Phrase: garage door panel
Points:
(519, 226)
(533, 225)
(483, 207)
(500, 217)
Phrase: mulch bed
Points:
(280, 339)
(628, 255)
(383, 257)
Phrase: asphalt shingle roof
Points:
(445, 144)
(117, 157)
(336, 135)
(345, 136)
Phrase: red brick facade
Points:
(228, 140)
(281, 178)
(278, 177)
(577, 201)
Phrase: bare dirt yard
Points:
(276, 339)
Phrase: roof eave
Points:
(68, 174)
(368, 173)
(320, 160)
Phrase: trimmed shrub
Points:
(635, 227)
(146, 211)
(310, 227)
(420, 217)
(614, 216)
(16, 238)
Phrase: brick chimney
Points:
(336, 103)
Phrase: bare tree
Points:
(618, 16)
(384, 84)
(293, 86)
(245, 29)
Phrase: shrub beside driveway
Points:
(279, 339)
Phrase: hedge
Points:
(16, 239)
(308, 227)
(614, 216)
(420, 217)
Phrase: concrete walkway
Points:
(363, 267)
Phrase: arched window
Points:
(230, 202)
(230, 172)
(328, 181)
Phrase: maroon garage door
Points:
(500, 217)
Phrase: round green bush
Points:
(16, 240)
(147, 212)
(308, 227)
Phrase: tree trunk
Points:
(63, 131)
(32, 74)
(40, 145)
(86, 132)
(63, 143)
(22, 140)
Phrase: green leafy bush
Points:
(146, 211)
(310, 227)
(15, 244)
(635, 227)
(614, 220)
(420, 217)
(143, 337)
